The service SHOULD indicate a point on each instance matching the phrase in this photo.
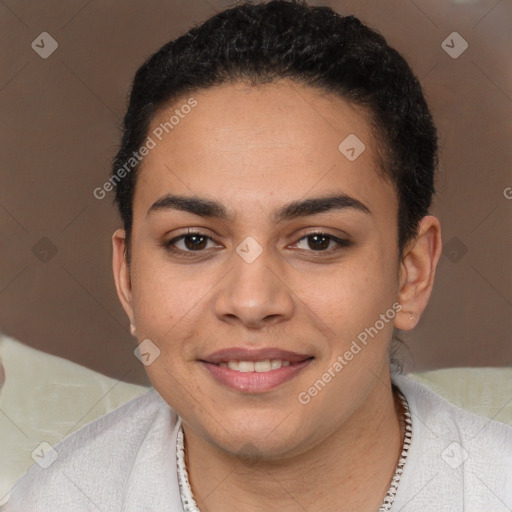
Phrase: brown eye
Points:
(191, 242)
(320, 242)
(194, 242)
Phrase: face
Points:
(269, 280)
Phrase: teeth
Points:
(262, 366)
(254, 366)
(245, 366)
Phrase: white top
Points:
(125, 461)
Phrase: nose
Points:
(254, 292)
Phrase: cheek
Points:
(170, 300)
(163, 294)
(358, 290)
(172, 303)
(351, 302)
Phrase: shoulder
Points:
(449, 419)
(94, 463)
(455, 456)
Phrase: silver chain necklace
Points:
(190, 505)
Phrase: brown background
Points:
(60, 129)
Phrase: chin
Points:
(264, 439)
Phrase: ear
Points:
(122, 273)
(417, 271)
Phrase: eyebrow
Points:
(204, 207)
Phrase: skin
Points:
(254, 149)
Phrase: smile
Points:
(254, 366)
(255, 376)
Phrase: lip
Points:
(245, 354)
(254, 382)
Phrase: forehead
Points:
(255, 147)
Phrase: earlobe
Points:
(417, 271)
(122, 273)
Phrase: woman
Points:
(274, 182)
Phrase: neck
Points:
(350, 470)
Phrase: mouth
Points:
(254, 371)
(265, 365)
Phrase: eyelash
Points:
(168, 245)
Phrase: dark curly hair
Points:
(315, 46)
